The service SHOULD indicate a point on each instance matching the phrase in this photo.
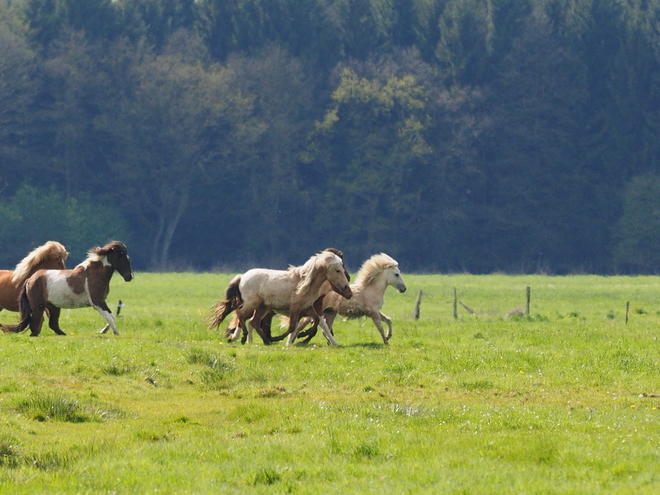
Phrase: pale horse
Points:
(291, 292)
(375, 275)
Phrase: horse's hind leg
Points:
(311, 332)
(387, 320)
(266, 325)
(54, 319)
(36, 319)
(376, 319)
(255, 323)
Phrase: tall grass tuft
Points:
(265, 476)
(55, 406)
(218, 367)
(10, 451)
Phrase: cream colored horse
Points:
(372, 279)
(292, 292)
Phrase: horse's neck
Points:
(98, 270)
(315, 286)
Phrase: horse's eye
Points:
(396, 274)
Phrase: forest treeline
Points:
(455, 135)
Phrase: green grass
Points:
(565, 400)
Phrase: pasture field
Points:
(566, 400)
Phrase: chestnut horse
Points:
(294, 291)
(86, 285)
(50, 255)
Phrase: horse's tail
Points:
(232, 301)
(25, 311)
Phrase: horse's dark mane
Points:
(335, 251)
(102, 251)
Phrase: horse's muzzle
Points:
(347, 293)
(128, 277)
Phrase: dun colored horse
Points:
(258, 291)
(234, 329)
(50, 255)
(88, 284)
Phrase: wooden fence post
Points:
(455, 306)
(529, 297)
(417, 304)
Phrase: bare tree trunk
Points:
(172, 226)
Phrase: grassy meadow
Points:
(565, 400)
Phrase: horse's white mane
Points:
(36, 256)
(92, 256)
(373, 267)
(308, 271)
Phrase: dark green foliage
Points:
(473, 135)
(637, 233)
(34, 216)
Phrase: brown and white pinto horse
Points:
(50, 255)
(86, 285)
(293, 292)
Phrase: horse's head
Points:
(117, 256)
(341, 255)
(395, 279)
(337, 275)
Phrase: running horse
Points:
(51, 255)
(266, 322)
(374, 276)
(88, 284)
(293, 292)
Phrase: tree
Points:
(637, 232)
(48, 19)
(172, 125)
(33, 216)
(282, 115)
(156, 20)
(19, 87)
(371, 140)
(536, 181)
(74, 93)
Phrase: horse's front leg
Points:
(387, 320)
(54, 319)
(107, 315)
(327, 333)
(376, 319)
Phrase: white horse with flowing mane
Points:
(372, 279)
(292, 292)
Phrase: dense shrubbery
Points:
(474, 135)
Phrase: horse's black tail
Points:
(232, 301)
(25, 311)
